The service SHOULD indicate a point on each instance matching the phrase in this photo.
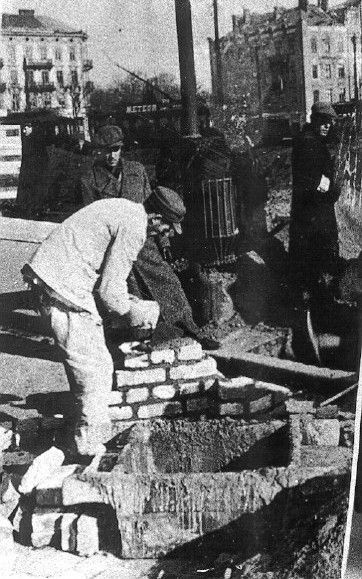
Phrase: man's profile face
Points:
(113, 156)
(322, 126)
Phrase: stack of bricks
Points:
(171, 381)
(180, 380)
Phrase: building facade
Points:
(277, 64)
(43, 64)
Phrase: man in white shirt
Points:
(85, 260)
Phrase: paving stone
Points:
(68, 532)
(330, 411)
(138, 377)
(165, 392)
(45, 527)
(76, 491)
(191, 351)
(200, 404)
(261, 404)
(136, 395)
(206, 367)
(189, 388)
(293, 406)
(160, 409)
(162, 356)
(321, 432)
(49, 491)
(115, 397)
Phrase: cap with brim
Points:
(109, 136)
(167, 203)
(324, 109)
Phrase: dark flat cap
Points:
(109, 136)
(324, 109)
(167, 203)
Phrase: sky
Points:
(141, 34)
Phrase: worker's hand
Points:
(144, 314)
(324, 184)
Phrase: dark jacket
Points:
(100, 183)
(313, 233)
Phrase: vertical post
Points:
(189, 125)
(26, 85)
(258, 80)
(219, 82)
(355, 76)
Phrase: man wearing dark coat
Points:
(110, 174)
(313, 233)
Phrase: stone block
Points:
(160, 409)
(49, 491)
(234, 388)
(330, 411)
(115, 398)
(190, 352)
(45, 528)
(138, 377)
(87, 535)
(165, 392)
(280, 393)
(206, 367)
(321, 432)
(293, 406)
(162, 356)
(230, 409)
(77, 491)
(262, 404)
(120, 413)
(136, 395)
(197, 405)
(68, 532)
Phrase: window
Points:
(74, 75)
(58, 54)
(316, 96)
(45, 77)
(15, 102)
(60, 77)
(30, 76)
(340, 46)
(29, 51)
(342, 96)
(12, 133)
(315, 71)
(72, 53)
(328, 71)
(326, 44)
(330, 94)
(13, 76)
(313, 44)
(43, 53)
(341, 72)
(47, 100)
(12, 53)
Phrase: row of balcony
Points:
(47, 64)
(46, 87)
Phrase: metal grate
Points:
(220, 216)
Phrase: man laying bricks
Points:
(78, 271)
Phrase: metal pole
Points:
(187, 68)
(26, 85)
(219, 84)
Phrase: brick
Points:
(230, 409)
(191, 351)
(330, 411)
(260, 404)
(137, 361)
(280, 393)
(129, 348)
(206, 367)
(162, 356)
(321, 432)
(235, 388)
(165, 392)
(68, 532)
(49, 491)
(200, 404)
(129, 378)
(120, 413)
(136, 395)
(115, 397)
(189, 388)
(87, 536)
(207, 384)
(299, 406)
(160, 409)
